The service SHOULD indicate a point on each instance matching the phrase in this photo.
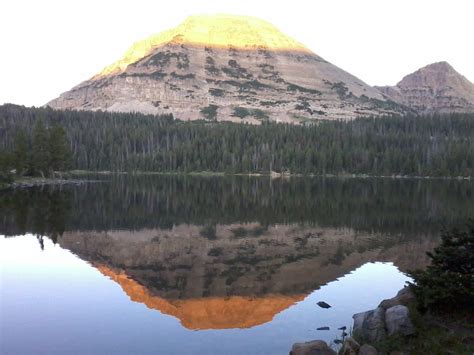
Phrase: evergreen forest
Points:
(41, 140)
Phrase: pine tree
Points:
(5, 166)
(40, 154)
(21, 154)
(448, 282)
(59, 150)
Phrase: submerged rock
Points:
(397, 320)
(370, 326)
(315, 347)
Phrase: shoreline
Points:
(29, 182)
(272, 175)
(396, 326)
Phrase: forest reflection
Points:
(135, 203)
(232, 252)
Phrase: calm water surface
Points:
(210, 265)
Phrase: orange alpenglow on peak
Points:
(216, 31)
(206, 313)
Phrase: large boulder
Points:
(350, 347)
(397, 320)
(315, 347)
(403, 297)
(370, 326)
(367, 349)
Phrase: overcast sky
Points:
(49, 46)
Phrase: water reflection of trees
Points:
(42, 212)
(370, 205)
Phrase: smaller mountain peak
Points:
(436, 87)
(435, 75)
(442, 63)
(439, 66)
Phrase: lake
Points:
(209, 265)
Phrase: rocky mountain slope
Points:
(434, 88)
(226, 68)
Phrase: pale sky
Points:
(49, 46)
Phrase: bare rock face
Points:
(227, 68)
(404, 297)
(350, 347)
(434, 88)
(370, 326)
(367, 349)
(315, 347)
(397, 320)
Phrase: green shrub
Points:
(260, 114)
(210, 112)
(209, 232)
(241, 112)
(294, 87)
(448, 283)
(216, 92)
(183, 77)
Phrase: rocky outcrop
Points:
(370, 326)
(350, 347)
(404, 297)
(436, 88)
(367, 349)
(391, 317)
(397, 321)
(227, 68)
(315, 347)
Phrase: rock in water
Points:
(323, 328)
(370, 326)
(316, 347)
(231, 68)
(397, 320)
(323, 304)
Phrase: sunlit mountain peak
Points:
(221, 31)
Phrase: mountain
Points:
(434, 88)
(226, 67)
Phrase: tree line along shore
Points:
(39, 141)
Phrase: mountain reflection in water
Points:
(236, 279)
(220, 253)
